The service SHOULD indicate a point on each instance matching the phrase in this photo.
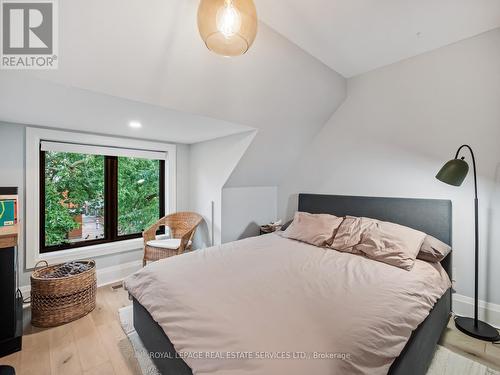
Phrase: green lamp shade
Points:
(453, 172)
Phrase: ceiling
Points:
(153, 54)
(28, 100)
(356, 36)
(122, 60)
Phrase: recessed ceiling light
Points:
(135, 124)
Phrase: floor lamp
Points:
(454, 173)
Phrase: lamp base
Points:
(483, 331)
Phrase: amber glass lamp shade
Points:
(228, 27)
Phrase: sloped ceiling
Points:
(150, 53)
(355, 36)
(31, 101)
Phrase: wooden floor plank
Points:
(11, 360)
(492, 355)
(102, 369)
(88, 343)
(457, 341)
(103, 312)
(35, 356)
(117, 299)
(123, 361)
(63, 352)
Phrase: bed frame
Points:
(427, 215)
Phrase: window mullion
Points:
(42, 199)
(161, 188)
(111, 200)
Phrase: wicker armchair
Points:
(182, 227)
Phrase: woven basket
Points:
(56, 301)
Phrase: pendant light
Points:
(228, 27)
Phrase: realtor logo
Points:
(29, 34)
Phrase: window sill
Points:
(87, 252)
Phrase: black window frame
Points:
(110, 207)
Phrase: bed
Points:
(430, 216)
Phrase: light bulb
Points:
(228, 19)
(228, 27)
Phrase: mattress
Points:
(273, 305)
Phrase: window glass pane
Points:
(138, 194)
(74, 198)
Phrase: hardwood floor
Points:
(96, 344)
(484, 352)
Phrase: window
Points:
(73, 198)
(92, 195)
(138, 198)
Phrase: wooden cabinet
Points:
(11, 304)
(8, 237)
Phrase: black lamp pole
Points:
(476, 239)
(454, 173)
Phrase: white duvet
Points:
(270, 305)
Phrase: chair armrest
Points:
(188, 236)
(150, 234)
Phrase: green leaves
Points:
(138, 199)
(58, 221)
(74, 185)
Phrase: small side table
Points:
(265, 229)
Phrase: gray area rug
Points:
(445, 361)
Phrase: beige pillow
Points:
(314, 229)
(385, 242)
(433, 250)
(349, 233)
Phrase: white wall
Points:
(211, 164)
(245, 209)
(12, 173)
(397, 127)
(277, 87)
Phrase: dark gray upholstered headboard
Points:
(432, 216)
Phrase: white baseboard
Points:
(488, 312)
(113, 274)
(105, 276)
